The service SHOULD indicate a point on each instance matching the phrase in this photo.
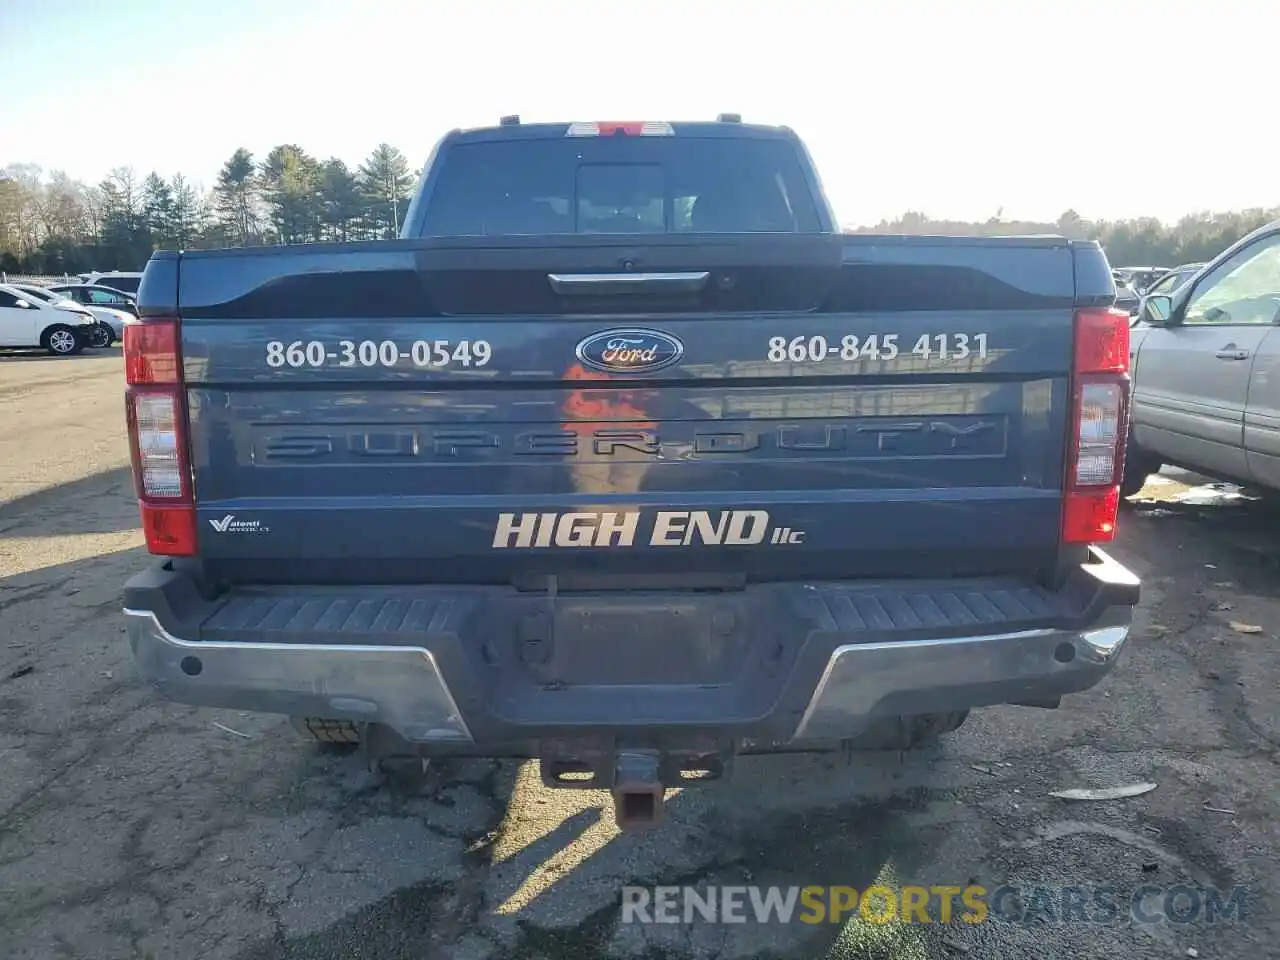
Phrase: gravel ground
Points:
(131, 827)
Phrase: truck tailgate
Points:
(415, 411)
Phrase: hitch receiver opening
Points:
(637, 808)
(638, 794)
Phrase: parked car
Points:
(110, 322)
(96, 295)
(1166, 285)
(1174, 279)
(116, 279)
(1206, 370)
(686, 525)
(27, 321)
(1127, 298)
(1140, 278)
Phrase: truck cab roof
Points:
(555, 130)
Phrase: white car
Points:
(27, 321)
(121, 280)
(112, 321)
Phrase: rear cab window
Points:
(621, 185)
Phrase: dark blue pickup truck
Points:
(624, 458)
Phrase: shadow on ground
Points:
(713, 839)
(102, 502)
(11, 355)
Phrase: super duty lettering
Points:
(854, 437)
(641, 451)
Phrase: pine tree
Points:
(340, 193)
(116, 213)
(236, 195)
(386, 182)
(290, 180)
(158, 210)
(186, 212)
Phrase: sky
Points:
(961, 110)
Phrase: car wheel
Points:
(103, 336)
(61, 341)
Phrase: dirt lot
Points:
(130, 827)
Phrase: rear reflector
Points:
(614, 128)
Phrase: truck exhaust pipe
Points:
(638, 794)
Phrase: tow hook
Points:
(638, 793)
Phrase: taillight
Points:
(157, 418)
(1099, 426)
(1101, 342)
(151, 353)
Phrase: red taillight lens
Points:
(170, 531)
(151, 352)
(1099, 427)
(1102, 341)
(1090, 517)
(157, 419)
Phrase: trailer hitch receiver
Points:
(638, 794)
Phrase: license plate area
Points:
(646, 641)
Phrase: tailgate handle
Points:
(622, 284)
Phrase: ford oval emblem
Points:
(630, 350)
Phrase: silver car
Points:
(1205, 363)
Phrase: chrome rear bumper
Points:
(404, 687)
(399, 686)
